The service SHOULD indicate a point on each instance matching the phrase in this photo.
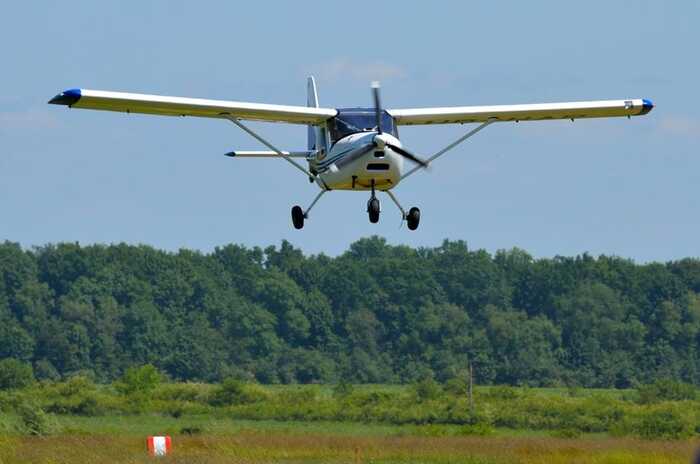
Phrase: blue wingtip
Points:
(647, 106)
(68, 97)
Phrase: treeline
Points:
(375, 314)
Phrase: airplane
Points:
(348, 148)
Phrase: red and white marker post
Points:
(158, 446)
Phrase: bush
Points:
(656, 422)
(15, 374)
(139, 380)
(666, 390)
(426, 389)
(181, 392)
(33, 420)
(233, 392)
(82, 404)
(76, 385)
(457, 386)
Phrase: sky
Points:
(611, 186)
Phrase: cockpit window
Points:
(352, 121)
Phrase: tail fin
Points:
(316, 135)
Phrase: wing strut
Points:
(451, 146)
(279, 152)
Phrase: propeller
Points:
(377, 106)
(379, 141)
(397, 149)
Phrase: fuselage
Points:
(340, 168)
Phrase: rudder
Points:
(314, 132)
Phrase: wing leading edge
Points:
(530, 112)
(198, 107)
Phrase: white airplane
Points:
(348, 148)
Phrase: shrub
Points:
(139, 380)
(457, 386)
(232, 392)
(33, 420)
(181, 392)
(76, 385)
(426, 389)
(665, 390)
(15, 374)
(656, 422)
(83, 404)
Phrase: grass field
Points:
(269, 442)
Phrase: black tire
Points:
(413, 218)
(373, 210)
(298, 217)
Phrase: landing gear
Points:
(297, 217)
(413, 218)
(373, 207)
(298, 214)
(373, 210)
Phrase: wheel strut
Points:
(412, 218)
(298, 214)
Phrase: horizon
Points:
(308, 254)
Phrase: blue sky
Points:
(623, 187)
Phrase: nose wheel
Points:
(373, 207)
(373, 210)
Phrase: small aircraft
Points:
(348, 148)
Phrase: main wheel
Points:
(373, 210)
(298, 217)
(413, 218)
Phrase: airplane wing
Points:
(180, 106)
(531, 112)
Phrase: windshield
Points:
(358, 120)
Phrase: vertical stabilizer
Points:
(315, 133)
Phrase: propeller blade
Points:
(377, 106)
(355, 154)
(407, 154)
